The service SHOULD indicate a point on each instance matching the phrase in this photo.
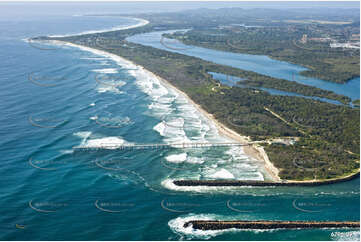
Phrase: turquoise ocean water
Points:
(53, 100)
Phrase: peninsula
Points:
(304, 139)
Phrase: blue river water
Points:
(234, 81)
(55, 100)
(257, 63)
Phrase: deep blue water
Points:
(51, 102)
(257, 63)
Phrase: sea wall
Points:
(262, 183)
(219, 225)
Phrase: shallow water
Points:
(52, 191)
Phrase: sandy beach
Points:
(254, 151)
(141, 23)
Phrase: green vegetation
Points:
(329, 138)
(327, 146)
(284, 43)
(331, 130)
(356, 103)
(257, 80)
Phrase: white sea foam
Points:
(160, 128)
(94, 58)
(103, 63)
(221, 174)
(111, 89)
(177, 226)
(178, 139)
(251, 175)
(244, 166)
(106, 70)
(115, 121)
(159, 107)
(84, 135)
(187, 108)
(111, 142)
(142, 22)
(115, 83)
(171, 134)
(106, 143)
(177, 158)
(181, 100)
(110, 86)
(168, 183)
(193, 122)
(175, 123)
(189, 233)
(66, 151)
(244, 190)
(237, 153)
(174, 130)
(195, 160)
(92, 104)
(149, 84)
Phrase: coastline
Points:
(254, 151)
(141, 23)
(85, 159)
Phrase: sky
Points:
(24, 8)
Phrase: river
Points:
(257, 63)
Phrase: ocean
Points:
(57, 98)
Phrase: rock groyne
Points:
(219, 225)
(262, 183)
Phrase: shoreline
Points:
(254, 151)
(142, 22)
